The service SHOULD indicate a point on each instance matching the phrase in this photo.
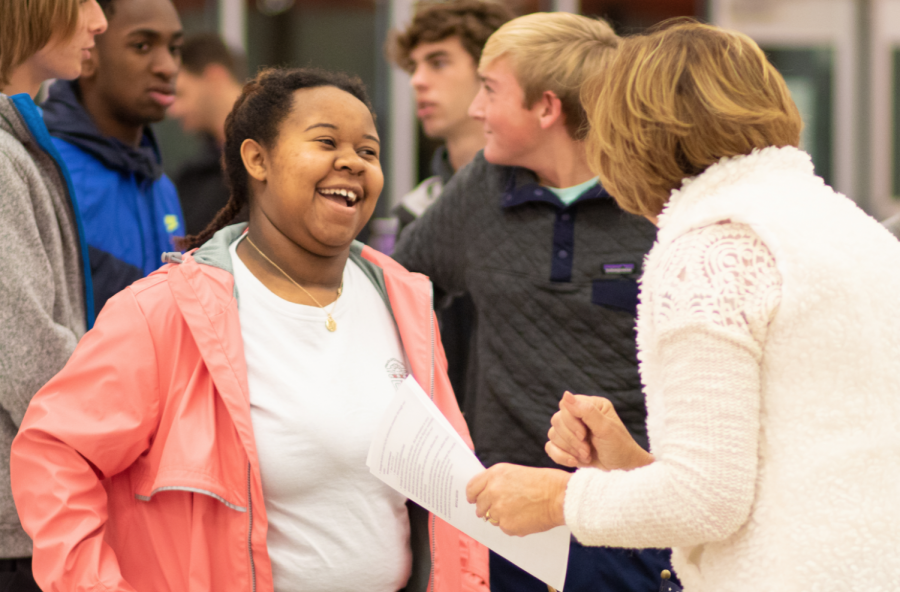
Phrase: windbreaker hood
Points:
(214, 252)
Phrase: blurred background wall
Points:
(841, 59)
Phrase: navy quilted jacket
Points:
(555, 292)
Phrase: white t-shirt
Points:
(315, 397)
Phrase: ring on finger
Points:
(487, 516)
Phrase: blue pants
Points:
(591, 569)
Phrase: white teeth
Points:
(350, 195)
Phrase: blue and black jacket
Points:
(129, 207)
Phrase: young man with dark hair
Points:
(440, 49)
(210, 81)
(100, 123)
(551, 263)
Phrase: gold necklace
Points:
(330, 324)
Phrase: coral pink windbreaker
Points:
(135, 468)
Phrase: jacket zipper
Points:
(147, 498)
(250, 533)
(431, 326)
(433, 523)
(248, 509)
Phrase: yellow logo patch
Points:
(171, 222)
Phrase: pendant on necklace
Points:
(330, 324)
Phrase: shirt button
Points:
(562, 254)
(539, 192)
(565, 217)
(507, 198)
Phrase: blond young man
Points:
(45, 293)
(551, 263)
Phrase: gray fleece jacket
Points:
(42, 290)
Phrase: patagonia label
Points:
(618, 268)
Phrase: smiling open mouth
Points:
(346, 197)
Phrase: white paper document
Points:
(416, 451)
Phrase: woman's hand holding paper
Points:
(586, 432)
(521, 500)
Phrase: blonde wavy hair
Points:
(555, 51)
(27, 26)
(676, 100)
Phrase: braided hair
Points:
(257, 114)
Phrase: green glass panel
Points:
(809, 74)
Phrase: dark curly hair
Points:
(257, 114)
(473, 21)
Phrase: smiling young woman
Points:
(314, 179)
(255, 370)
(314, 189)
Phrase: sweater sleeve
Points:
(33, 347)
(435, 244)
(718, 289)
(90, 422)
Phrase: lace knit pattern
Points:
(709, 296)
(721, 274)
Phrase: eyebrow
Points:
(440, 53)
(154, 34)
(334, 127)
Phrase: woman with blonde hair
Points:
(767, 335)
(45, 292)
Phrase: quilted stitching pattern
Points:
(534, 338)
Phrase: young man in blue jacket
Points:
(100, 125)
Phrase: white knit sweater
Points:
(769, 342)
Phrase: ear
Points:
(549, 110)
(89, 66)
(255, 159)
